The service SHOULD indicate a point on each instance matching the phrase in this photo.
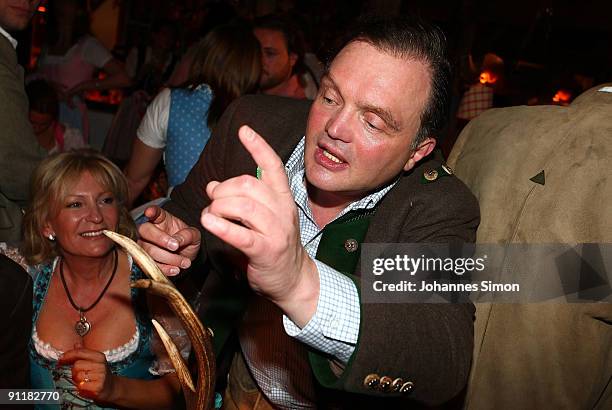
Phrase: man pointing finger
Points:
(347, 170)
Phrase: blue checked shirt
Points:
(334, 328)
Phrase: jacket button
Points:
(448, 169)
(371, 381)
(396, 385)
(431, 175)
(407, 388)
(351, 245)
(385, 384)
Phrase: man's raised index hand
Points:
(259, 217)
(270, 164)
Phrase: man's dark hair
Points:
(409, 37)
(42, 98)
(293, 37)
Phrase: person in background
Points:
(178, 122)
(150, 65)
(51, 134)
(16, 326)
(196, 20)
(284, 72)
(535, 170)
(92, 337)
(479, 95)
(71, 57)
(20, 153)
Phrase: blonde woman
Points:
(91, 336)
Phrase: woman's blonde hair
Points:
(51, 182)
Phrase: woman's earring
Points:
(51, 237)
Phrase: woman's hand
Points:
(90, 373)
(94, 380)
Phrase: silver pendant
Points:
(82, 326)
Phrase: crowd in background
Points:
(157, 48)
(175, 78)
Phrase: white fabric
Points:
(91, 50)
(334, 328)
(153, 129)
(94, 52)
(9, 37)
(73, 139)
(112, 355)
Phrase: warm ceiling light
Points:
(42, 9)
(562, 96)
(487, 77)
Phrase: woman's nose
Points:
(95, 215)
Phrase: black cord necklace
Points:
(83, 326)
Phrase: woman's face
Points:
(84, 212)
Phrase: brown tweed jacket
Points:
(429, 345)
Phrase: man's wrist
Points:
(300, 304)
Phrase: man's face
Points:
(15, 14)
(276, 61)
(40, 121)
(363, 121)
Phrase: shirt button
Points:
(431, 175)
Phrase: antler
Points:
(202, 396)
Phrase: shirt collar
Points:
(295, 174)
(9, 37)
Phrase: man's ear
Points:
(423, 150)
(292, 59)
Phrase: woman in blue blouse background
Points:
(178, 123)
